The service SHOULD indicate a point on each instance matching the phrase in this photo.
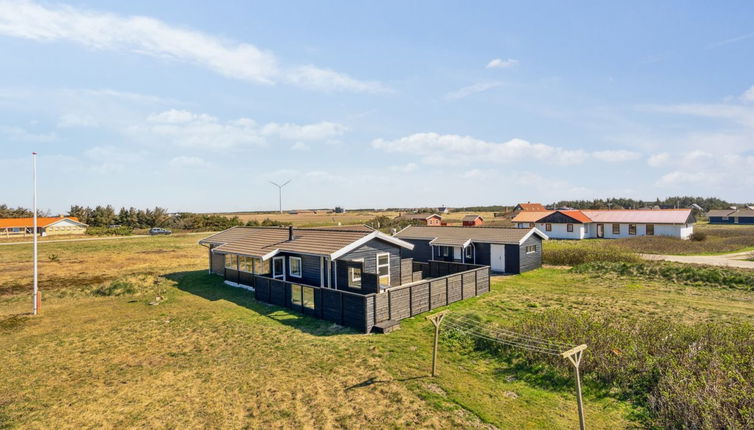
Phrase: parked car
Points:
(154, 231)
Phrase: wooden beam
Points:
(573, 351)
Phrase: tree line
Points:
(706, 203)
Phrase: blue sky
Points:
(196, 106)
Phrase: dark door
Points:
(600, 230)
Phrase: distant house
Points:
(505, 250)
(353, 276)
(472, 220)
(743, 216)
(443, 210)
(428, 219)
(583, 224)
(45, 226)
(339, 210)
(529, 207)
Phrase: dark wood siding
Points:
(369, 251)
(482, 253)
(512, 259)
(558, 218)
(309, 268)
(530, 261)
(422, 251)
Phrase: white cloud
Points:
(183, 161)
(327, 80)
(616, 155)
(22, 135)
(499, 63)
(472, 89)
(151, 37)
(200, 130)
(659, 160)
(406, 168)
(318, 131)
(710, 169)
(300, 146)
(76, 120)
(454, 149)
(748, 95)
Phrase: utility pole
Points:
(35, 308)
(280, 193)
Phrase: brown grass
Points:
(323, 218)
(719, 239)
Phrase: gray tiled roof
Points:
(462, 234)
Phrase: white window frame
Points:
(531, 249)
(352, 279)
(300, 268)
(282, 273)
(548, 226)
(468, 252)
(569, 228)
(378, 265)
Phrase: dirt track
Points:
(736, 259)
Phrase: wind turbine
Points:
(280, 193)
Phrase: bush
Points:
(575, 253)
(108, 231)
(678, 273)
(134, 285)
(698, 236)
(699, 376)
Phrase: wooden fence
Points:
(364, 311)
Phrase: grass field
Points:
(325, 218)
(209, 355)
(718, 240)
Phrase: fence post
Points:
(447, 293)
(410, 301)
(476, 283)
(389, 306)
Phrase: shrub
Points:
(572, 254)
(678, 273)
(699, 376)
(698, 236)
(133, 285)
(108, 231)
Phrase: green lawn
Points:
(211, 356)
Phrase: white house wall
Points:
(560, 231)
(589, 230)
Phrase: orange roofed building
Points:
(45, 226)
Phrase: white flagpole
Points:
(36, 284)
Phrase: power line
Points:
(510, 342)
(503, 332)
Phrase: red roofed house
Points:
(610, 224)
(45, 226)
(529, 207)
(472, 220)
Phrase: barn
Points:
(425, 218)
(505, 250)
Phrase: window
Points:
(531, 249)
(569, 228)
(231, 261)
(445, 251)
(294, 266)
(616, 228)
(548, 227)
(383, 268)
(531, 225)
(246, 264)
(354, 275)
(278, 267)
(308, 297)
(650, 229)
(296, 294)
(725, 218)
(632, 229)
(261, 267)
(469, 252)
